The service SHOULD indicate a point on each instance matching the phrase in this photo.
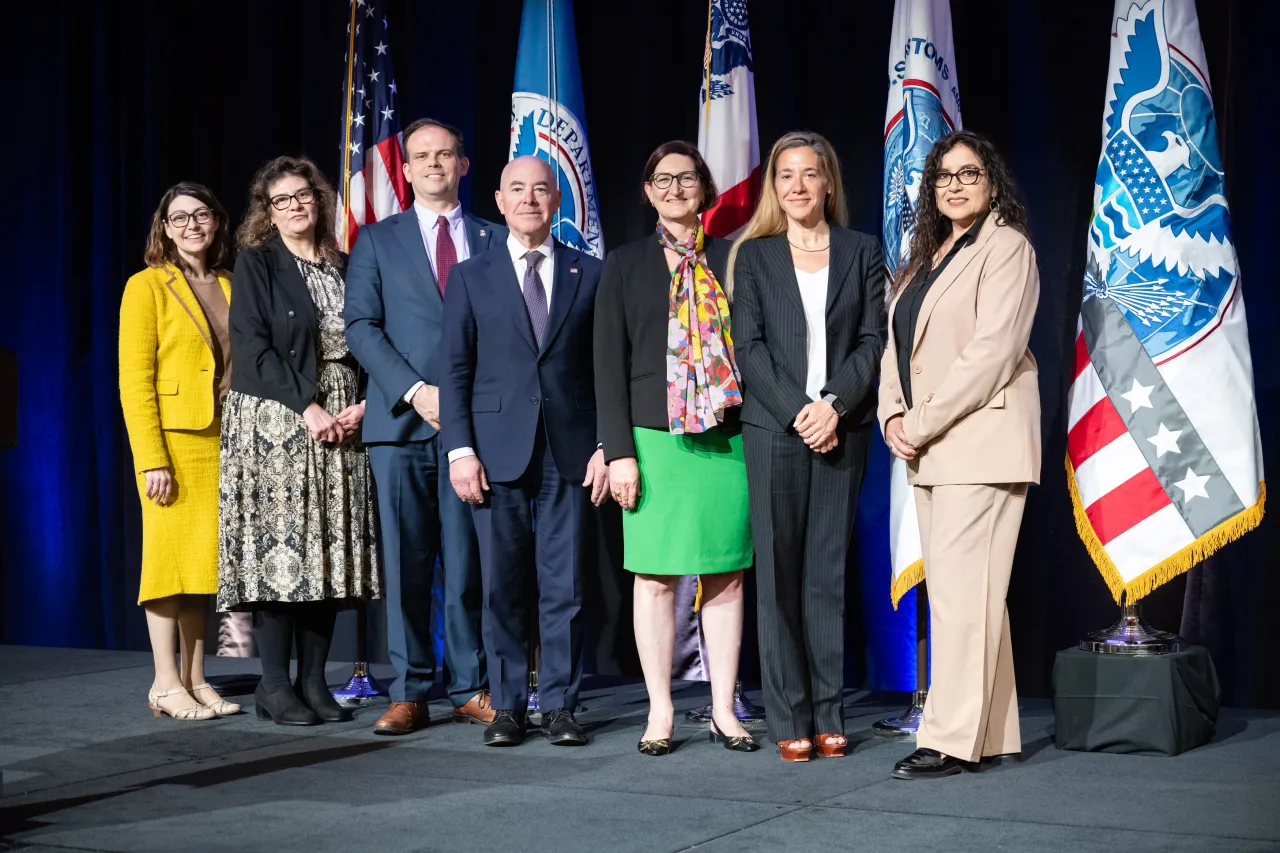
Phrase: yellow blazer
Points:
(166, 361)
(976, 418)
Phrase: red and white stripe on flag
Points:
(727, 135)
(378, 191)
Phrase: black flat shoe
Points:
(316, 696)
(927, 763)
(283, 707)
(507, 729)
(561, 729)
(1005, 760)
(736, 744)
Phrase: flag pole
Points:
(346, 130)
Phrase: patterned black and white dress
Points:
(296, 516)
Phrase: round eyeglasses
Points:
(662, 180)
(202, 216)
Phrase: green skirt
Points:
(692, 517)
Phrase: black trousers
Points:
(802, 510)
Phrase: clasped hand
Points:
(816, 424)
(896, 437)
(330, 429)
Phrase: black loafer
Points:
(928, 764)
(562, 729)
(1006, 760)
(507, 729)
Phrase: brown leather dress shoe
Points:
(403, 718)
(479, 709)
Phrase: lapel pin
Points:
(481, 232)
(573, 270)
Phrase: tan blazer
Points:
(976, 417)
(166, 361)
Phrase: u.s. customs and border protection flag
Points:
(924, 106)
(727, 135)
(1163, 452)
(548, 119)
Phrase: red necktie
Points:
(446, 253)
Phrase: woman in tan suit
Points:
(175, 370)
(960, 403)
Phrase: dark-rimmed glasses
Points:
(967, 176)
(306, 195)
(662, 180)
(202, 216)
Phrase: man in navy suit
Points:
(394, 307)
(518, 409)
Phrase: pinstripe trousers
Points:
(802, 508)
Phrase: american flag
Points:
(373, 184)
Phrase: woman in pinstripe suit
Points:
(809, 326)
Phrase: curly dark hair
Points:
(257, 227)
(932, 227)
(160, 249)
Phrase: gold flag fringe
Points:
(697, 599)
(902, 584)
(1173, 565)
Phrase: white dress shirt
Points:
(813, 295)
(429, 225)
(546, 272)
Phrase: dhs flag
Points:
(924, 106)
(1163, 452)
(727, 135)
(373, 182)
(548, 120)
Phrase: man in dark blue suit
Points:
(518, 409)
(394, 308)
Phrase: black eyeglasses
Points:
(967, 176)
(662, 180)
(306, 195)
(180, 219)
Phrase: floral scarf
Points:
(702, 380)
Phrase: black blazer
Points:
(273, 327)
(632, 307)
(770, 335)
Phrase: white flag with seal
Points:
(727, 135)
(924, 106)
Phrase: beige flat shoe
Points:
(219, 706)
(186, 715)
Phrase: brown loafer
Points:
(479, 709)
(403, 718)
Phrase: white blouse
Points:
(813, 295)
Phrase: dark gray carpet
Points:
(85, 767)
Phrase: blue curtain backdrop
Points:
(117, 101)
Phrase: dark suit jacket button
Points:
(533, 400)
(292, 352)
(291, 314)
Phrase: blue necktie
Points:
(535, 296)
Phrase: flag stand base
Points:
(1130, 636)
(744, 709)
(361, 689)
(907, 723)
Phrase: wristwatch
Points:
(841, 411)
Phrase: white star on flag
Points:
(386, 114)
(1192, 485)
(1166, 441)
(1139, 396)
(380, 48)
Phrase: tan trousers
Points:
(969, 534)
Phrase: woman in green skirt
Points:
(667, 396)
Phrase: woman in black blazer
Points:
(296, 521)
(808, 316)
(667, 397)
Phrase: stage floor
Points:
(85, 767)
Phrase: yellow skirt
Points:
(180, 541)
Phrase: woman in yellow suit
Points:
(175, 371)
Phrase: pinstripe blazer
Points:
(770, 334)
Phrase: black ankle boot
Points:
(316, 696)
(283, 707)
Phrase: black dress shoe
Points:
(735, 744)
(316, 696)
(507, 729)
(992, 762)
(928, 764)
(283, 707)
(562, 729)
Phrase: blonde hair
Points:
(769, 218)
